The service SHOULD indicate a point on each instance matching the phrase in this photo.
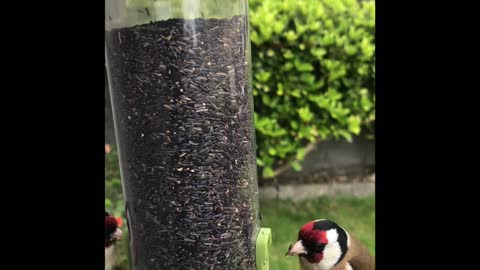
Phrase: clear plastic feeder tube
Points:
(179, 74)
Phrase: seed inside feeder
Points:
(188, 146)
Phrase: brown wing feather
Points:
(358, 256)
(341, 266)
(365, 262)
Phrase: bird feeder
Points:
(179, 75)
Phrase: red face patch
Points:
(316, 258)
(119, 222)
(311, 238)
(111, 223)
(309, 234)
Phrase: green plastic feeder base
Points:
(264, 242)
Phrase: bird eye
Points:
(319, 247)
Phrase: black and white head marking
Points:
(338, 242)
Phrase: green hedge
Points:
(314, 75)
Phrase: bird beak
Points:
(118, 234)
(296, 249)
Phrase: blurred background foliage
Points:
(314, 75)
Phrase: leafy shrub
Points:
(313, 75)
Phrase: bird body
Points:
(323, 245)
(113, 233)
(109, 258)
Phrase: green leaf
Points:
(318, 52)
(307, 132)
(255, 38)
(267, 172)
(304, 132)
(300, 28)
(332, 65)
(328, 39)
(366, 103)
(350, 49)
(260, 162)
(272, 151)
(296, 166)
(315, 26)
(294, 124)
(263, 76)
(355, 34)
(280, 89)
(301, 153)
(323, 132)
(296, 93)
(337, 74)
(367, 48)
(278, 27)
(339, 113)
(354, 124)
(288, 54)
(321, 101)
(345, 134)
(307, 78)
(329, 23)
(288, 66)
(305, 114)
(333, 94)
(108, 203)
(277, 133)
(362, 70)
(291, 35)
(302, 66)
(340, 40)
(266, 100)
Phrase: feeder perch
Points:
(264, 242)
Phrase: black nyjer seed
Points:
(184, 122)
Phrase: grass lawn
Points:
(356, 215)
